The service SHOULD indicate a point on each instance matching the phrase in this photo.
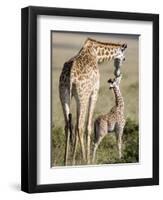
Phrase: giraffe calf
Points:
(112, 121)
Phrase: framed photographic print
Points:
(90, 99)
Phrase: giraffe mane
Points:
(104, 43)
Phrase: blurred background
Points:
(65, 45)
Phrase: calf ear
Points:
(110, 81)
(124, 46)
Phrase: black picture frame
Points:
(29, 99)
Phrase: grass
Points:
(107, 152)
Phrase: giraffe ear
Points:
(87, 41)
(110, 81)
(124, 46)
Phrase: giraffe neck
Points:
(106, 53)
(118, 97)
(103, 51)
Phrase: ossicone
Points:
(124, 46)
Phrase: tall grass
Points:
(107, 152)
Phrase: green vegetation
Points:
(107, 152)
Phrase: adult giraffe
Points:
(80, 79)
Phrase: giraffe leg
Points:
(119, 134)
(81, 114)
(92, 102)
(76, 135)
(75, 146)
(81, 139)
(119, 144)
(95, 149)
(67, 144)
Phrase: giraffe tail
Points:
(95, 132)
(71, 128)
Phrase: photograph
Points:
(94, 98)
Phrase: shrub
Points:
(131, 142)
(57, 146)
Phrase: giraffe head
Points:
(104, 51)
(119, 58)
(114, 82)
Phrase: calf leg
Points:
(119, 133)
(95, 148)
